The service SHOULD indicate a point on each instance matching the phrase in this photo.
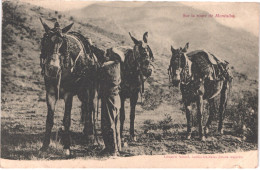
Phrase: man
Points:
(110, 101)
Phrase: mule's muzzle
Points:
(52, 71)
(52, 66)
(176, 83)
(149, 73)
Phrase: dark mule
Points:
(200, 80)
(134, 71)
(69, 69)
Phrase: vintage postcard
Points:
(129, 84)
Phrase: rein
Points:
(185, 76)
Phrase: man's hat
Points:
(115, 54)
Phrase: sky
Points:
(246, 14)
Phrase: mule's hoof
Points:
(96, 143)
(122, 139)
(125, 144)
(188, 136)
(221, 132)
(133, 138)
(43, 148)
(43, 151)
(206, 131)
(66, 152)
(203, 139)
(90, 139)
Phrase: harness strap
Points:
(58, 86)
(75, 62)
(79, 54)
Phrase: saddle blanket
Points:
(210, 66)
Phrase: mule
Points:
(69, 69)
(134, 71)
(197, 82)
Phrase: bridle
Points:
(55, 52)
(185, 73)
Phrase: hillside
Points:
(23, 104)
(22, 32)
(166, 27)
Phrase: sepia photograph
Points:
(129, 84)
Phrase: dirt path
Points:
(160, 122)
(23, 123)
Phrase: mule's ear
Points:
(134, 40)
(45, 26)
(67, 28)
(183, 60)
(145, 37)
(150, 53)
(172, 49)
(185, 49)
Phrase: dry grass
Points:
(160, 121)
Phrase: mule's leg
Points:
(86, 115)
(188, 117)
(89, 126)
(122, 116)
(51, 102)
(83, 114)
(222, 105)
(68, 97)
(212, 110)
(89, 121)
(199, 116)
(133, 102)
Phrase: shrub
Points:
(149, 125)
(244, 115)
(166, 123)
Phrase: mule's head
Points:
(53, 39)
(143, 55)
(178, 62)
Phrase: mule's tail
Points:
(230, 83)
(229, 80)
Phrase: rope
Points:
(79, 54)
(58, 85)
(72, 68)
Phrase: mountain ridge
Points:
(167, 27)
